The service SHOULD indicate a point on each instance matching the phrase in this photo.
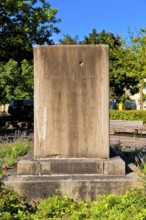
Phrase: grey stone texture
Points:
(78, 187)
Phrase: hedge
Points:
(134, 115)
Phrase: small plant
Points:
(141, 164)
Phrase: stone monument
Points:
(71, 101)
(71, 126)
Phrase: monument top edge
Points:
(75, 45)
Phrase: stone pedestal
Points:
(71, 127)
(77, 178)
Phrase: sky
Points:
(80, 17)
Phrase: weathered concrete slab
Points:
(71, 95)
(78, 187)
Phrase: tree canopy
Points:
(33, 22)
(16, 81)
(68, 40)
(133, 63)
(124, 62)
(121, 77)
(115, 44)
(23, 24)
(102, 37)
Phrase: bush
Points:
(55, 207)
(13, 206)
(136, 115)
(131, 205)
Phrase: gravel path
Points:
(128, 144)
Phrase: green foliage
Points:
(83, 211)
(131, 64)
(118, 78)
(11, 151)
(140, 160)
(127, 62)
(131, 205)
(24, 24)
(143, 176)
(68, 40)
(13, 206)
(55, 207)
(138, 53)
(103, 38)
(135, 115)
(16, 80)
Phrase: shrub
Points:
(55, 207)
(13, 206)
(131, 206)
(137, 115)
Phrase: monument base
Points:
(79, 179)
(50, 166)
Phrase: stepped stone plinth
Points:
(50, 166)
(71, 127)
